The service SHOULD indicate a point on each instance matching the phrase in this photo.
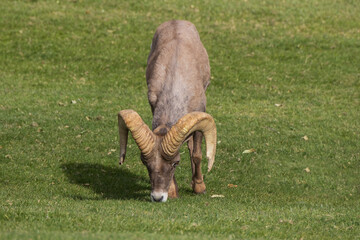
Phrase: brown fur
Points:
(177, 74)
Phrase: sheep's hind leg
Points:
(194, 146)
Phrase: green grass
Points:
(59, 173)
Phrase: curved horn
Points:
(191, 122)
(144, 138)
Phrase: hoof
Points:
(173, 196)
(198, 187)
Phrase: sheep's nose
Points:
(158, 196)
(158, 199)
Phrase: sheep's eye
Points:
(174, 164)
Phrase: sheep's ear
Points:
(129, 120)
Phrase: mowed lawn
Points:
(285, 85)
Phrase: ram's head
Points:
(160, 148)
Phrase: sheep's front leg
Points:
(173, 189)
(194, 146)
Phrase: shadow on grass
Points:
(109, 182)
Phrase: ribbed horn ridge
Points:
(144, 138)
(191, 122)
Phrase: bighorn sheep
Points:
(177, 75)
